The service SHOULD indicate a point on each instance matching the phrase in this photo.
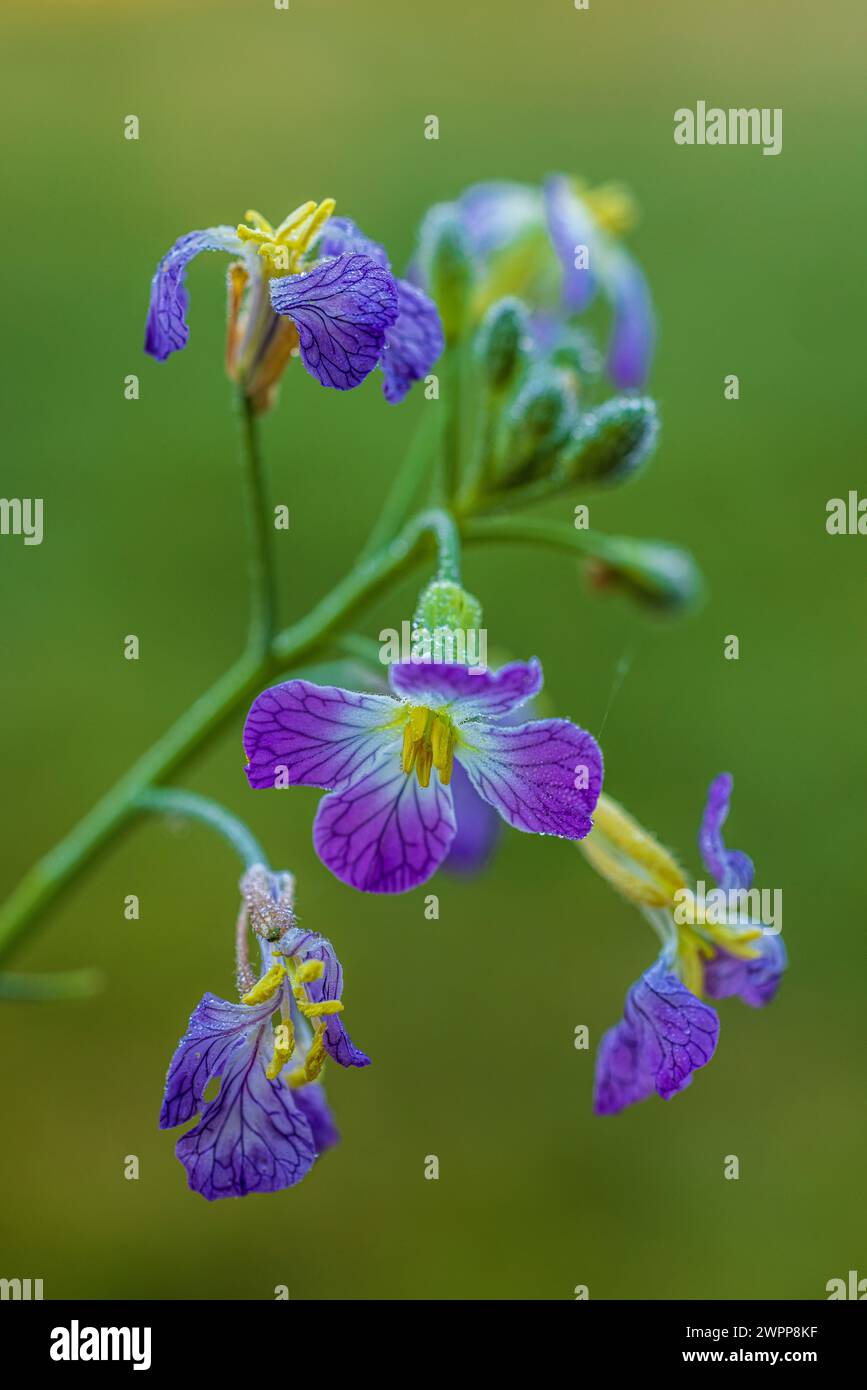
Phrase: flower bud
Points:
(538, 422)
(445, 261)
(444, 604)
(611, 443)
(658, 575)
(504, 342)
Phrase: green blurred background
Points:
(470, 1019)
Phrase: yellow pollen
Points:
(429, 739)
(284, 1047)
(310, 970)
(313, 1062)
(268, 985)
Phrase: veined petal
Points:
(336, 1039)
(570, 225)
(472, 691)
(385, 833)
(309, 735)
(215, 1029)
(755, 981)
(166, 330)
(666, 1034)
(252, 1137)
(412, 344)
(730, 867)
(342, 309)
(529, 774)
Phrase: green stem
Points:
(407, 479)
(198, 726)
(536, 531)
(260, 535)
(169, 801)
(50, 989)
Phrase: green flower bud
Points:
(657, 575)
(611, 443)
(504, 342)
(444, 604)
(445, 259)
(538, 423)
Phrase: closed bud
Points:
(611, 443)
(446, 263)
(538, 423)
(444, 604)
(504, 342)
(657, 575)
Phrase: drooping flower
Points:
(667, 1032)
(387, 822)
(267, 1125)
(314, 287)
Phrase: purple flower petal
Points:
(321, 735)
(311, 1102)
(478, 827)
(385, 833)
(336, 1039)
(472, 691)
(664, 1036)
(529, 773)
(570, 225)
(341, 234)
(252, 1137)
(730, 867)
(497, 213)
(342, 310)
(630, 350)
(755, 981)
(166, 330)
(215, 1029)
(413, 344)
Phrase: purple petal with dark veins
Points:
(311, 1102)
(384, 833)
(321, 735)
(412, 344)
(529, 773)
(730, 867)
(342, 310)
(666, 1034)
(166, 330)
(755, 981)
(570, 226)
(336, 1039)
(478, 827)
(215, 1029)
(470, 690)
(252, 1137)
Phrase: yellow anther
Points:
(268, 985)
(312, 1008)
(284, 1047)
(259, 222)
(289, 223)
(635, 843)
(613, 207)
(443, 748)
(407, 759)
(310, 970)
(253, 233)
(429, 739)
(313, 1062)
(304, 234)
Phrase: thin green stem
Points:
(263, 603)
(170, 801)
(50, 989)
(407, 479)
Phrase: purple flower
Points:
(382, 829)
(664, 1036)
(755, 980)
(572, 224)
(312, 287)
(266, 1125)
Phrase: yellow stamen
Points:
(284, 1047)
(292, 221)
(429, 741)
(310, 970)
(635, 843)
(267, 986)
(313, 1062)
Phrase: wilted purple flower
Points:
(266, 1126)
(667, 1032)
(312, 287)
(382, 829)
